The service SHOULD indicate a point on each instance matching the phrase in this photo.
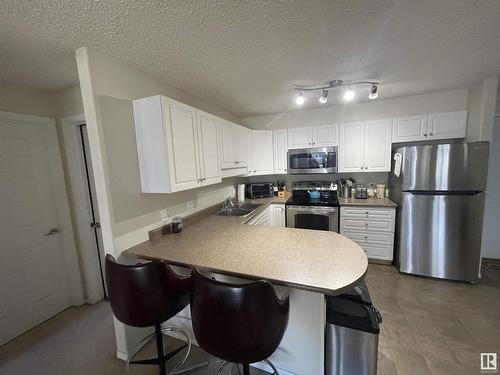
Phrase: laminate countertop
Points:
(319, 261)
(374, 202)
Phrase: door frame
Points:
(63, 215)
(78, 186)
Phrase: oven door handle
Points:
(309, 209)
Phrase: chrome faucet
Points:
(228, 203)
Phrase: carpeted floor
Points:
(430, 327)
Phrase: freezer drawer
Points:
(440, 235)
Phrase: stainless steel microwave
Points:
(313, 160)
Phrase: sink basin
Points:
(246, 205)
(236, 211)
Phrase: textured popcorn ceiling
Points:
(246, 55)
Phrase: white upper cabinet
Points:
(299, 138)
(236, 144)
(228, 144)
(377, 146)
(280, 149)
(325, 135)
(167, 145)
(351, 147)
(409, 129)
(318, 136)
(208, 145)
(262, 153)
(243, 145)
(365, 146)
(447, 125)
(433, 126)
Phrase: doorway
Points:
(86, 210)
(39, 269)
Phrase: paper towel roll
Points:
(241, 192)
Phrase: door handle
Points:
(52, 232)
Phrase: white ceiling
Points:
(246, 56)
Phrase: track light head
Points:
(300, 98)
(349, 95)
(324, 97)
(373, 92)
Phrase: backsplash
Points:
(363, 178)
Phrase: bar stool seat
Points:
(239, 323)
(145, 295)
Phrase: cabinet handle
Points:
(366, 212)
(362, 168)
(431, 134)
(366, 167)
(425, 135)
(366, 237)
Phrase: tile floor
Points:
(430, 327)
(433, 326)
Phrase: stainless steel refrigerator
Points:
(440, 192)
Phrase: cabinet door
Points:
(182, 139)
(323, 136)
(299, 138)
(409, 129)
(378, 146)
(351, 147)
(243, 146)
(228, 145)
(280, 149)
(262, 146)
(208, 146)
(278, 215)
(447, 125)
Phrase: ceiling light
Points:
(348, 95)
(300, 98)
(324, 97)
(373, 92)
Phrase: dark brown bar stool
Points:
(145, 295)
(239, 323)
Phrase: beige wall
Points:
(22, 99)
(108, 88)
(446, 101)
(482, 100)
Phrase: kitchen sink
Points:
(240, 209)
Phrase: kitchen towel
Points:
(241, 192)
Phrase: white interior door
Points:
(34, 283)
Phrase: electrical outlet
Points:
(163, 214)
(189, 205)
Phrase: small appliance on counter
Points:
(361, 192)
(262, 190)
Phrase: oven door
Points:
(312, 217)
(312, 160)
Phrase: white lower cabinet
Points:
(272, 216)
(372, 228)
(278, 215)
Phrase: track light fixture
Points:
(348, 95)
(324, 97)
